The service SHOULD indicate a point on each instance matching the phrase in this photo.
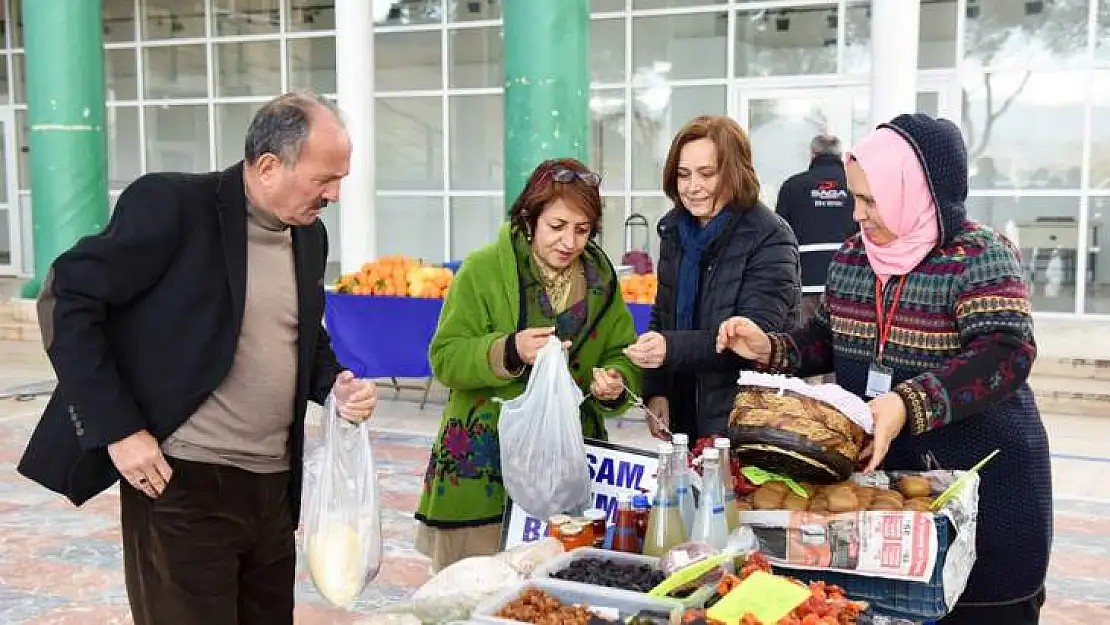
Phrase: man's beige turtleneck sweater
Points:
(245, 422)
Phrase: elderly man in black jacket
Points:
(187, 339)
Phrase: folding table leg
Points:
(427, 388)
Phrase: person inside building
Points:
(543, 276)
(187, 340)
(818, 207)
(927, 315)
(722, 253)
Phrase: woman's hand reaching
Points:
(608, 384)
(649, 351)
(659, 418)
(889, 412)
(530, 341)
(742, 336)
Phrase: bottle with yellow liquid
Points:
(665, 529)
(680, 477)
(732, 513)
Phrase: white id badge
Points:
(878, 380)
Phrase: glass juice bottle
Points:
(625, 538)
(665, 529)
(710, 525)
(680, 474)
(732, 514)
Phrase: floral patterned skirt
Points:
(462, 484)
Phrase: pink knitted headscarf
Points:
(903, 201)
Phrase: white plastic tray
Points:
(696, 599)
(569, 593)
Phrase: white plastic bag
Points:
(455, 591)
(342, 525)
(543, 454)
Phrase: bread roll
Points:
(768, 498)
(794, 502)
(842, 500)
(863, 500)
(918, 504)
(885, 503)
(889, 494)
(780, 487)
(913, 486)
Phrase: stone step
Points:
(18, 311)
(1066, 367)
(19, 332)
(1088, 397)
(18, 320)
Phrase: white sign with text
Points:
(614, 469)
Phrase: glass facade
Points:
(1028, 81)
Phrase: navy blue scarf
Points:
(694, 238)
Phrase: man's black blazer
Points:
(141, 323)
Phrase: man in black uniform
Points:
(817, 205)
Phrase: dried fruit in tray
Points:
(634, 577)
(538, 607)
(826, 605)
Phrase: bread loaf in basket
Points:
(808, 432)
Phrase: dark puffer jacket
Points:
(751, 269)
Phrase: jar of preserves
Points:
(597, 518)
(554, 523)
(574, 535)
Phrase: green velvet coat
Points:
(463, 485)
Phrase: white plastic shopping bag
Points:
(342, 525)
(543, 454)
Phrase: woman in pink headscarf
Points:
(926, 314)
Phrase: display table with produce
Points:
(764, 524)
(577, 569)
(381, 318)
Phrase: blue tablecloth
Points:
(388, 337)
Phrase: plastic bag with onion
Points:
(684, 568)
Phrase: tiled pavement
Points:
(59, 565)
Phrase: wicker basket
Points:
(793, 435)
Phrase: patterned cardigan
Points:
(963, 327)
(961, 348)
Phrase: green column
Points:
(547, 85)
(65, 110)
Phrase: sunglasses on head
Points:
(565, 175)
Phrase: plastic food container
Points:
(695, 600)
(626, 603)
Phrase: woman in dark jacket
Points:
(946, 365)
(722, 254)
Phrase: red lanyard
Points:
(884, 324)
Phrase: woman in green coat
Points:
(544, 275)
